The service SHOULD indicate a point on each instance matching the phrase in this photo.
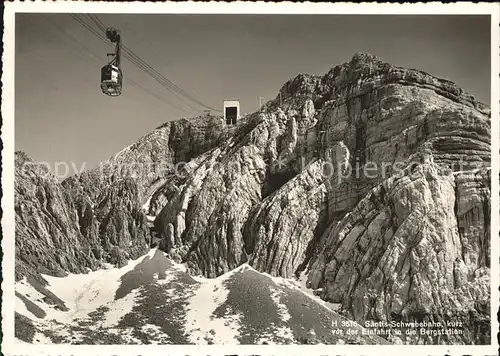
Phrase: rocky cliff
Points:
(373, 180)
(48, 236)
(98, 216)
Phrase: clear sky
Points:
(61, 114)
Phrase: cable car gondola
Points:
(111, 73)
(111, 80)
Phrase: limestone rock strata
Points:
(404, 252)
(214, 202)
(149, 160)
(282, 226)
(400, 240)
(97, 216)
(372, 179)
(362, 113)
(48, 237)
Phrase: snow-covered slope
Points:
(154, 301)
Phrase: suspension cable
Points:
(143, 65)
(87, 51)
(133, 60)
(98, 22)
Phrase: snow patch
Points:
(40, 338)
(119, 308)
(201, 324)
(469, 171)
(146, 204)
(145, 208)
(24, 288)
(282, 309)
(300, 285)
(83, 293)
(128, 335)
(21, 308)
(285, 332)
(107, 265)
(179, 267)
(156, 334)
(168, 278)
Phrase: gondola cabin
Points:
(111, 80)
